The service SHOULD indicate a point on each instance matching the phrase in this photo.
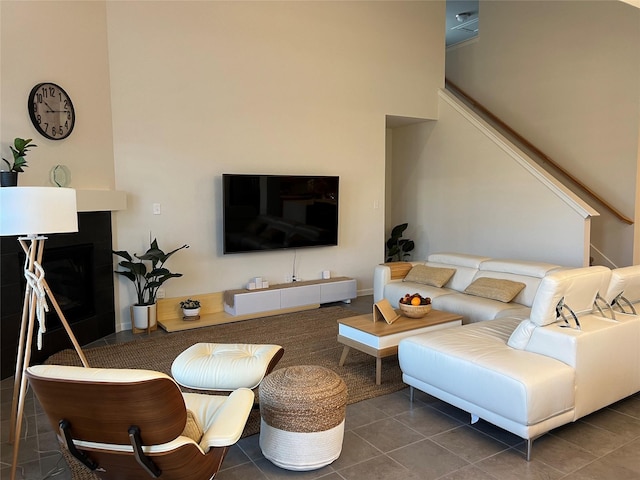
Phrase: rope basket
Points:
(303, 409)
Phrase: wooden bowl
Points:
(414, 311)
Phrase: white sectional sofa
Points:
(530, 376)
(393, 280)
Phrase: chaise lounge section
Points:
(530, 376)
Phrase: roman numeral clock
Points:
(51, 111)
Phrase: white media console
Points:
(289, 296)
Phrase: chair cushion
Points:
(192, 429)
(221, 366)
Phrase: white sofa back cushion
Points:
(625, 281)
(466, 267)
(529, 273)
(578, 288)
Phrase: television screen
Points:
(269, 212)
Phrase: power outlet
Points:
(157, 209)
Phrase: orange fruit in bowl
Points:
(415, 301)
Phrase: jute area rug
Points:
(308, 338)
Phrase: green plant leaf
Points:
(129, 275)
(398, 230)
(123, 254)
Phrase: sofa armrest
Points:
(604, 354)
(386, 272)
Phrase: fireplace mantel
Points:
(100, 200)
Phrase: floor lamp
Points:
(30, 212)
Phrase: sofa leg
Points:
(410, 393)
(529, 448)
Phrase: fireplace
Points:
(79, 270)
(69, 274)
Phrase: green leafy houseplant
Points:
(148, 277)
(19, 150)
(398, 248)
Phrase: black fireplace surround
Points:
(79, 270)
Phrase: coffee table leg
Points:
(378, 370)
(343, 357)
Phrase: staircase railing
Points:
(534, 150)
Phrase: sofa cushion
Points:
(475, 309)
(577, 287)
(466, 267)
(529, 273)
(520, 337)
(519, 267)
(434, 276)
(494, 288)
(625, 281)
(462, 259)
(396, 289)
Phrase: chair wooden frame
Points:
(128, 429)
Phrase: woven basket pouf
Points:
(302, 411)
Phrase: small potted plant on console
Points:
(190, 309)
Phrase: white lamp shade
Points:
(37, 210)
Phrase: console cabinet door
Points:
(254, 302)
(300, 296)
(338, 291)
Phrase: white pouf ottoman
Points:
(302, 412)
(224, 366)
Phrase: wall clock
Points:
(51, 111)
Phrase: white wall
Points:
(204, 88)
(566, 75)
(198, 89)
(63, 43)
(462, 192)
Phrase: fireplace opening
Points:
(69, 273)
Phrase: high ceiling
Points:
(465, 26)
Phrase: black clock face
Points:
(51, 111)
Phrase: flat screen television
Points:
(271, 212)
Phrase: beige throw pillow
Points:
(495, 288)
(192, 429)
(434, 276)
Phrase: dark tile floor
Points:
(389, 438)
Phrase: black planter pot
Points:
(8, 179)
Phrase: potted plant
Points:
(190, 307)
(398, 248)
(19, 149)
(147, 278)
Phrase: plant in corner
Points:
(147, 278)
(147, 281)
(398, 248)
(19, 150)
